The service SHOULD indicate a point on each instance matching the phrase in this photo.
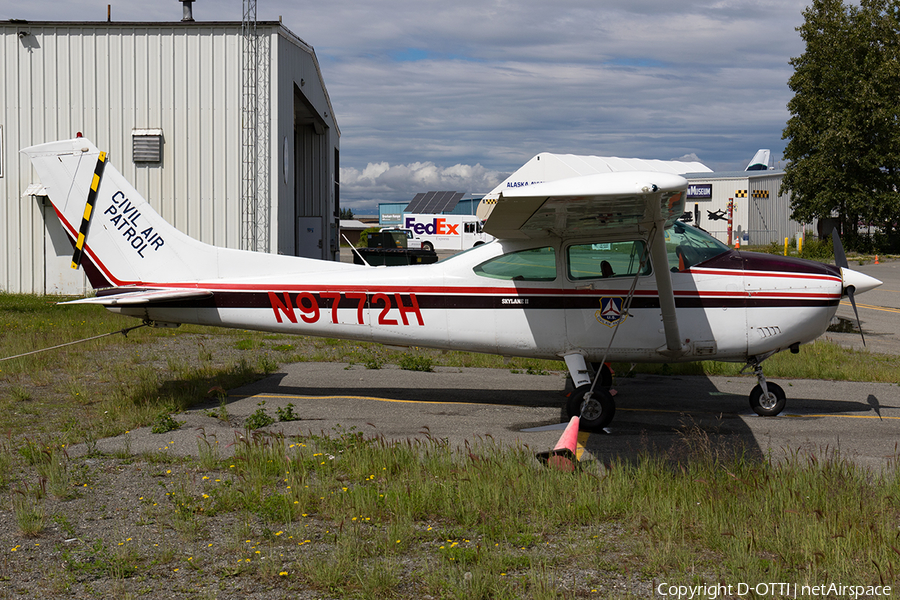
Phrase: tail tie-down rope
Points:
(96, 337)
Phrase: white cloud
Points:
(381, 182)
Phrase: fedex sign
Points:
(437, 226)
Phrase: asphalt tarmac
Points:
(670, 417)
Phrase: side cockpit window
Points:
(537, 264)
(688, 246)
(604, 261)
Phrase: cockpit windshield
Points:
(688, 246)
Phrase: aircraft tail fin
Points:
(119, 238)
(760, 160)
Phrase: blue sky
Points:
(437, 95)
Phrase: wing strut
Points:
(659, 258)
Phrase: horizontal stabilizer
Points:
(143, 296)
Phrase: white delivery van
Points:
(412, 242)
(446, 232)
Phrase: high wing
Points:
(627, 201)
(590, 204)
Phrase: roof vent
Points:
(188, 11)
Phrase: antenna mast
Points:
(255, 197)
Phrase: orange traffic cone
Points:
(563, 456)
(737, 244)
(876, 259)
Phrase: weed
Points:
(259, 419)
(64, 524)
(266, 364)
(208, 451)
(287, 413)
(220, 413)
(20, 394)
(53, 469)
(164, 423)
(416, 362)
(28, 511)
(7, 462)
(96, 561)
(32, 451)
(246, 344)
(533, 369)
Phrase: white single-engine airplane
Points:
(586, 269)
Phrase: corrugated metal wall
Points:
(723, 188)
(761, 216)
(770, 213)
(105, 80)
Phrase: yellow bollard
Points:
(785, 246)
(800, 244)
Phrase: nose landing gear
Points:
(767, 399)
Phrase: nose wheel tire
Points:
(767, 405)
(595, 411)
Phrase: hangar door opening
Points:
(311, 181)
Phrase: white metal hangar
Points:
(226, 128)
(760, 212)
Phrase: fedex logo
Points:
(438, 226)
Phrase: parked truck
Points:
(446, 232)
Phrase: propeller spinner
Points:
(853, 281)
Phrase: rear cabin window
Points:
(538, 264)
(603, 261)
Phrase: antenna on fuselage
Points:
(352, 247)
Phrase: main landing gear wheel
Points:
(595, 412)
(767, 405)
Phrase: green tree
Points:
(346, 214)
(844, 131)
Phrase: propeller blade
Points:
(850, 291)
(840, 259)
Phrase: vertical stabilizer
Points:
(127, 241)
(760, 161)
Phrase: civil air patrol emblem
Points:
(611, 313)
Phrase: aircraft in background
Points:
(590, 266)
(761, 161)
